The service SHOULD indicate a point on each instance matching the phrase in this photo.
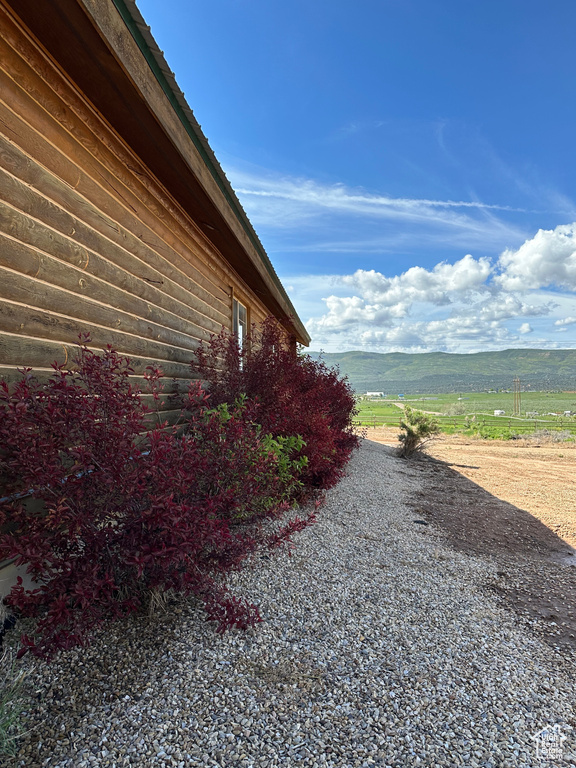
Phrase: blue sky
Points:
(409, 165)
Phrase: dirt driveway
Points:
(515, 502)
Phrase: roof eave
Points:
(143, 37)
(153, 118)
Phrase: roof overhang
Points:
(105, 47)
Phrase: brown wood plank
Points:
(109, 195)
(149, 285)
(81, 271)
(75, 115)
(60, 207)
(33, 322)
(171, 418)
(155, 136)
(168, 401)
(173, 388)
(98, 158)
(84, 309)
(142, 247)
(20, 351)
(55, 95)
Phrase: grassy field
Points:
(474, 412)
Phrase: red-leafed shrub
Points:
(291, 394)
(101, 517)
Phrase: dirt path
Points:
(516, 503)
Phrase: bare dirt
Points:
(514, 502)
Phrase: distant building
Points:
(374, 394)
(400, 395)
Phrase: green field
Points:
(473, 413)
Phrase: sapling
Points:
(418, 428)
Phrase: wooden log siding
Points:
(89, 239)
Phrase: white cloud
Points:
(461, 332)
(565, 322)
(507, 306)
(381, 300)
(463, 306)
(548, 259)
(453, 334)
(349, 310)
(463, 286)
(436, 286)
(342, 198)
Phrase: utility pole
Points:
(517, 397)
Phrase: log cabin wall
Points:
(115, 217)
(90, 240)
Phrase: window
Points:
(239, 322)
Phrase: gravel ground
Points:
(379, 647)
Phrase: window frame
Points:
(240, 325)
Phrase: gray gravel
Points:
(379, 647)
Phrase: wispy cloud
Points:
(319, 217)
(536, 191)
(354, 127)
(338, 197)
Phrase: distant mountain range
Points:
(396, 372)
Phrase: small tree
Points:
(418, 428)
(455, 409)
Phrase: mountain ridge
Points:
(452, 372)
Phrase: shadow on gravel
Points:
(536, 569)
